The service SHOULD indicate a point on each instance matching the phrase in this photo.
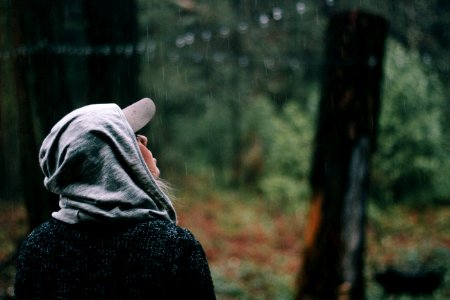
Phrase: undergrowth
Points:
(254, 248)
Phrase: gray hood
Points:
(92, 160)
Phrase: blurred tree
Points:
(420, 26)
(3, 39)
(40, 84)
(9, 163)
(332, 262)
(112, 24)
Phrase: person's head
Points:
(138, 115)
(102, 170)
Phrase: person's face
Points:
(150, 161)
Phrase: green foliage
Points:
(204, 141)
(409, 161)
(287, 137)
(214, 108)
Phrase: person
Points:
(115, 235)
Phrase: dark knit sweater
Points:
(150, 260)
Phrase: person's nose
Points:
(142, 139)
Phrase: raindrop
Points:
(79, 51)
(58, 49)
(264, 20)
(105, 50)
(88, 50)
(10, 291)
(129, 49)
(218, 57)
(243, 61)
(51, 48)
(294, 63)
(206, 35)
(174, 57)
(269, 63)
(224, 32)
(300, 6)
(5, 55)
(42, 44)
(372, 61)
(197, 57)
(180, 42)
(189, 38)
(151, 46)
(22, 50)
(277, 13)
(119, 49)
(74, 51)
(426, 58)
(400, 60)
(242, 27)
(140, 48)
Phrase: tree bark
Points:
(332, 261)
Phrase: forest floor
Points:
(254, 249)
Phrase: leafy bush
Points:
(287, 137)
(409, 164)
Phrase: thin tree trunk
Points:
(3, 165)
(332, 262)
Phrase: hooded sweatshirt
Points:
(135, 250)
(92, 160)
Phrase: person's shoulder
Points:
(165, 226)
(48, 227)
(166, 230)
(42, 234)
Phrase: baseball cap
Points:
(139, 113)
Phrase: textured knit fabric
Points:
(149, 260)
(92, 160)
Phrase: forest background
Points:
(237, 86)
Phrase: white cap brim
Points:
(139, 113)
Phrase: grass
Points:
(254, 248)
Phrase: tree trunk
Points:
(112, 74)
(3, 166)
(332, 261)
(41, 95)
(41, 84)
